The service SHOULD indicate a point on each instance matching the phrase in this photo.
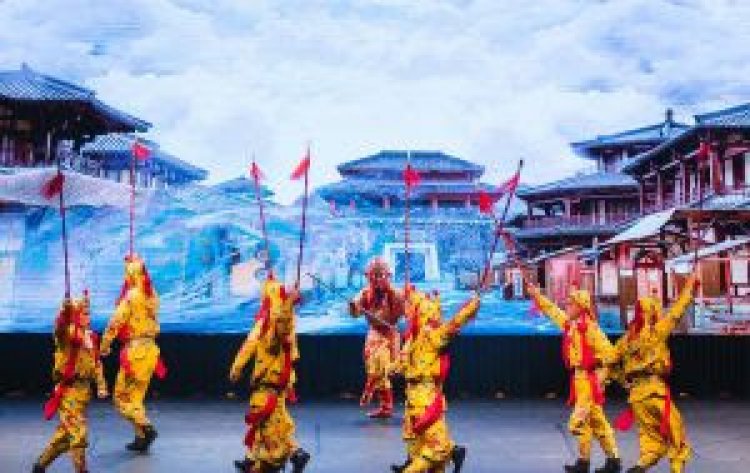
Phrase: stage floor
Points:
(503, 436)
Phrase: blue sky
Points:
(487, 80)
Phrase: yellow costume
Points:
(76, 367)
(272, 344)
(585, 351)
(424, 364)
(135, 324)
(644, 362)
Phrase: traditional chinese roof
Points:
(738, 116)
(377, 189)
(730, 118)
(242, 185)
(423, 161)
(651, 134)
(581, 182)
(117, 150)
(27, 85)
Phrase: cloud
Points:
(489, 81)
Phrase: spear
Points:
(55, 187)
(302, 169)
(257, 176)
(411, 179)
(138, 152)
(510, 191)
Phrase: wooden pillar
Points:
(567, 205)
(659, 191)
(684, 197)
(642, 195)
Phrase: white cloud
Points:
(490, 81)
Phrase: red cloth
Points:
(256, 172)
(411, 176)
(625, 420)
(430, 415)
(253, 419)
(302, 168)
(140, 151)
(588, 361)
(485, 202)
(53, 404)
(445, 367)
(54, 186)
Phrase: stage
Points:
(204, 435)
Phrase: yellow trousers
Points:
(430, 450)
(274, 440)
(380, 354)
(71, 435)
(138, 362)
(588, 422)
(653, 446)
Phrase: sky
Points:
(490, 81)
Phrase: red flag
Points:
(411, 177)
(302, 168)
(54, 186)
(256, 172)
(510, 185)
(485, 203)
(704, 151)
(140, 151)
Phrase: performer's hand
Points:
(105, 352)
(353, 309)
(234, 374)
(102, 393)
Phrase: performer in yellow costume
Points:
(76, 367)
(272, 344)
(382, 305)
(424, 364)
(135, 324)
(585, 352)
(644, 363)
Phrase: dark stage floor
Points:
(503, 436)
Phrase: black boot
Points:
(299, 460)
(612, 465)
(141, 444)
(636, 469)
(243, 465)
(580, 466)
(150, 435)
(458, 455)
(37, 468)
(400, 468)
(137, 445)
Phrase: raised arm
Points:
(666, 325)
(450, 329)
(548, 308)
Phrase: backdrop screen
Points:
(207, 257)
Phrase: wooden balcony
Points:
(578, 221)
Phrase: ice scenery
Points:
(204, 250)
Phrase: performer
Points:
(645, 362)
(383, 306)
(76, 367)
(135, 324)
(424, 363)
(272, 344)
(585, 352)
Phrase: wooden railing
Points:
(579, 220)
(740, 193)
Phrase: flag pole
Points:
(255, 171)
(63, 217)
(499, 227)
(407, 262)
(304, 218)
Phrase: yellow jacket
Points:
(87, 364)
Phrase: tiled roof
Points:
(420, 160)
(635, 162)
(395, 189)
(738, 116)
(118, 146)
(26, 84)
(597, 180)
(648, 134)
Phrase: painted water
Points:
(205, 253)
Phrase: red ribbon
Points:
(430, 415)
(53, 404)
(253, 419)
(445, 367)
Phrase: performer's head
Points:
(378, 274)
(83, 308)
(580, 305)
(137, 276)
(647, 313)
(280, 308)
